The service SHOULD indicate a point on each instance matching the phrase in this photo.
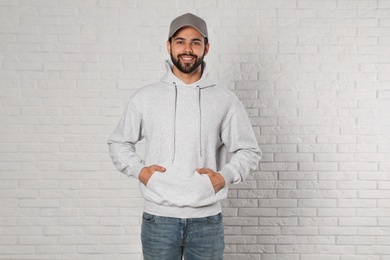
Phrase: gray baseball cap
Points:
(188, 19)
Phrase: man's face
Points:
(187, 49)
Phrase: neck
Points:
(188, 78)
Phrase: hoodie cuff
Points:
(229, 173)
(134, 170)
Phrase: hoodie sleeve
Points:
(240, 141)
(123, 140)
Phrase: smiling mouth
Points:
(187, 58)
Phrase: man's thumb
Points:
(159, 168)
(201, 170)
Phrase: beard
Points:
(187, 67)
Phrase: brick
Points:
(276, 185)
(38, 240)
(320, 257)
(277, 239)
(337, 249)
(256, 193)
(256, 212)
(304, 203)
(358, 221)
(374, 249)
(353, 240)
(357, 203)
(300, 230)
(278, 203)
(293, 157)
(294, 212)
(12, 250)
(340, 194)
(316, 185)
(26, 231)
(259, 249)
(358, 166)
(361, 257)
(244, 221)
(264, 221)
(359, 185)
(330, 212)
(280, 257)
(240, 239)
(237, 203)
(318, 166)
(301, 249)
(298, 175)
(242, 256)
(366, 212)
(279, 166)
(358, 148)
(318, 221)
(259, 230)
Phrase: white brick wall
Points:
(313, 75)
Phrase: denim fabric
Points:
(166, 238)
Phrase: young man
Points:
(189, 124)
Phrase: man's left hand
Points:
(216, 178)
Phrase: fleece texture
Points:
(185, 127)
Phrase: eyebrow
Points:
(184, 39)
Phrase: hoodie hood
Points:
(204, 82)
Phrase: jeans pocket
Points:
(148, 217)
(215, 218)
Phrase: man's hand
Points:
(216, 179)
(147, 172)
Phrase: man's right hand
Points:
(147, 172)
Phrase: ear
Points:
(169, 47)
(206, 49)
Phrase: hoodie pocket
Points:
(194, 190)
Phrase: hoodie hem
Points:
(182, 212)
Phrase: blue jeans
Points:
(166, 238)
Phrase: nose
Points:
(188, 48)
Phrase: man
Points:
(189, 124)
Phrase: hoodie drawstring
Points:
(200, 121)
(174, 123)
(171, 79)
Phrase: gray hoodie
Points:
(185, 127)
